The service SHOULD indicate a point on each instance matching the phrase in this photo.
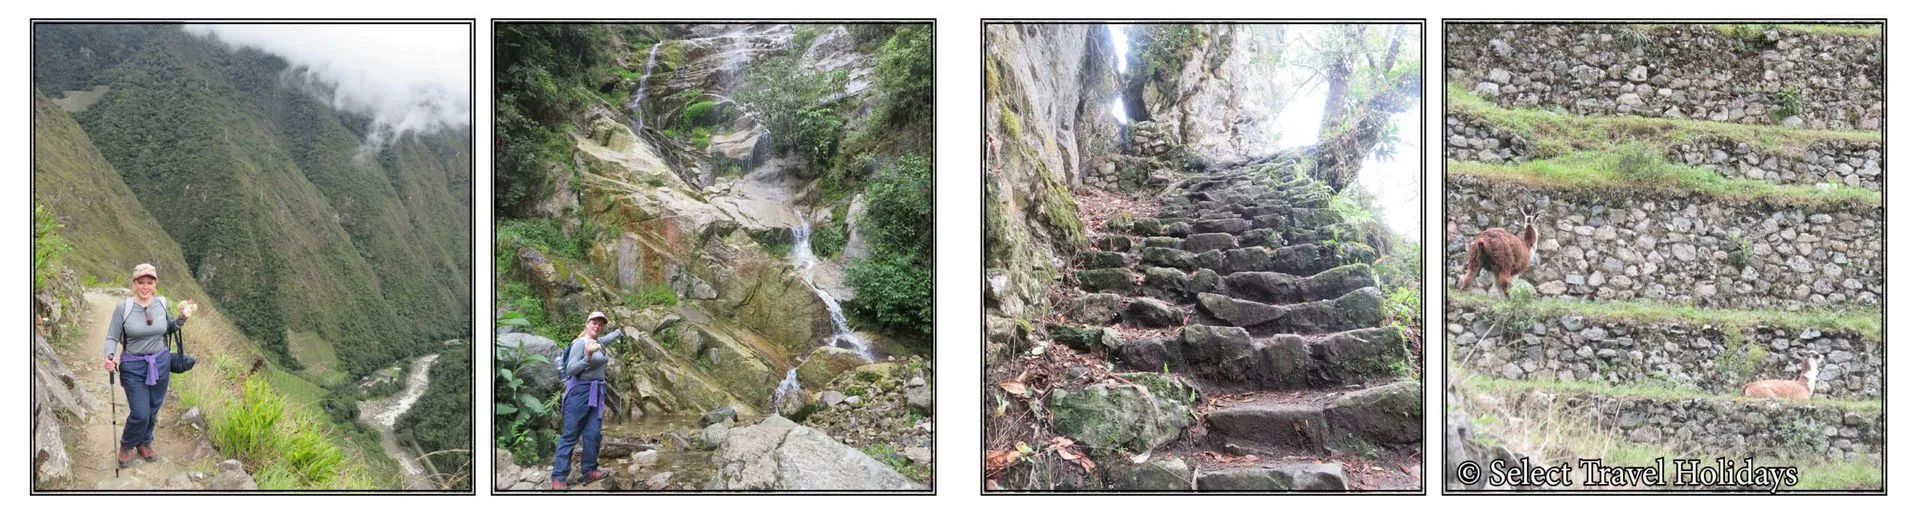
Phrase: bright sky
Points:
(408, 77)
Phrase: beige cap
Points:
(597, 314)
(144, 270)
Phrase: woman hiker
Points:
(581, 405)
(140, 327)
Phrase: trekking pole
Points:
(113, 415)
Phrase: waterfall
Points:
(638, 104)
(843, 336)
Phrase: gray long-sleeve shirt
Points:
(583, 368)
(130, 325)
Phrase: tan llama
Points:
(1501, 252)
(1797, 389)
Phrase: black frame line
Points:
(1887, 179)
(1425, 93)
(472, 234)
(934, 447)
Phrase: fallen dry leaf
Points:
(999, 460)
(1014, 388)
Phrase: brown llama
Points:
(1797, 389)
(1501, 252)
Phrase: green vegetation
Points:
(48, 248)
(1552, 134)
(1865, 322)
(522, 423)
(654, 294)
(542, 69)
(906, 75)
(895, 284)
(443, 419)
(1747, 31)
(828, 239)
(288, 452)
(1631, 169)
(791, 101)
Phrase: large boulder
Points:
(537, 370)
(779, 455)
(232, 477)
(1147, 411)
(553, 282)
(1356, 356)
(825, 363)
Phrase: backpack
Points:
(560, 361)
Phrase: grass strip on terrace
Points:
(1868, 323)
(1642, 170)
(1736, 30)
(1651, 391)
(1555, 133)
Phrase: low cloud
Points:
(408, 78)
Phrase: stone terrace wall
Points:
(1690, 355)
(1734, 427)
(1693, 72)
(1683, 248)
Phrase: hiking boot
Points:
(556, 485)
(126, 457)
(147, 453)
(593, 476)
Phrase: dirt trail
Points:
(96, 440)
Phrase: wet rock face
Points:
(1694, 250)
(1687, 355)
(1694, 72)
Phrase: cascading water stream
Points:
(843, 336)
(638, 104)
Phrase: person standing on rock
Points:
(582, 405)
(140, 327)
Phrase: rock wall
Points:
(1783, 77)
(1688, 249)
(1208, 87)
(1046, 120)
(1689, 355)
(1734, 427)
(1836, 161)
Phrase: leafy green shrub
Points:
(657, 294)
(896, 290)
(48, 248)
(789, 99)
(700, 113)
(540, 66)
(1789, 100)
(828, 240)
(906, 74)
(523, 423)
(899, 214)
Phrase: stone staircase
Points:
(1242, 293)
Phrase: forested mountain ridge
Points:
(295, 216)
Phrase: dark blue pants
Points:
(579, 424)
(143, 401)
